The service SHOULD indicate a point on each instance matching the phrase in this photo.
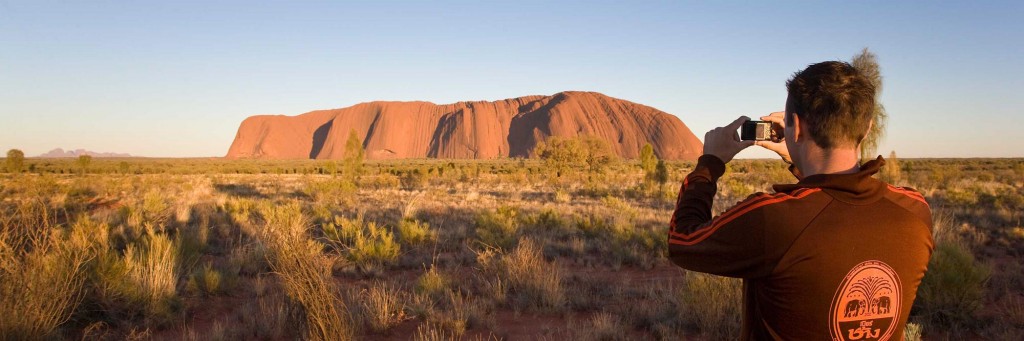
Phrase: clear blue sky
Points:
(175, 78)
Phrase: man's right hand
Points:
(778, 120)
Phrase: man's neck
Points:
(832, 161)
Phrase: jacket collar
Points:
(857, 187)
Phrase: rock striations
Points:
(466, 130)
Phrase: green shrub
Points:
(366, 244)
(414, 179)
(414, 232)
(548, 221)
(335, 191)
(498, 228)
(210, 281)
(376, 246)
(432, 283)
(15, 161)
(952, 290)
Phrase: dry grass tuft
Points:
(713, 304)
(305, 273)
(912, 332)
(152, 270)
(532, 281)
(432, 283)
(432, 332)
(40, 288)
(600, 326)
(382, 307)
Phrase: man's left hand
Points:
(724, 142)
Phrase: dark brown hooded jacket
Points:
(835, 256)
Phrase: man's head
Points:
(830, 104)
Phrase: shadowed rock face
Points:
(466, 130)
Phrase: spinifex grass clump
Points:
(712, 304)
(952, 290)
(367, 245)
(382, 306)
(305, 273)
(414, 232)
(498, 228)
(142, 282)
(40, 286)
(532, 281)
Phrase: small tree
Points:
(587, 152)
(83, 163)
(15, 161)
(124, 167)
(599, 153)
(354, 154)
(648, 161)
(560, 154)
(867, 64)
(331, 168)
(661, 174)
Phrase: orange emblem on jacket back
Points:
(866, 305)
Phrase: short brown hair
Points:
(835, 101)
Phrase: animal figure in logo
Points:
(884, 305)
(854, 308)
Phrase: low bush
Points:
(413, 232)
(952, 290)
(498, 228)
(432, 283)
(365, 244)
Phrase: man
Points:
(838, 255)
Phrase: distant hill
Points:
(466, 130)
(59, 153)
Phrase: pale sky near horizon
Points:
(175, 79)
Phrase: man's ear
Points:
(795, 121)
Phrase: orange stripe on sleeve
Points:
(912, 194)
(718, 223)
(730, 212)
(753, 201)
